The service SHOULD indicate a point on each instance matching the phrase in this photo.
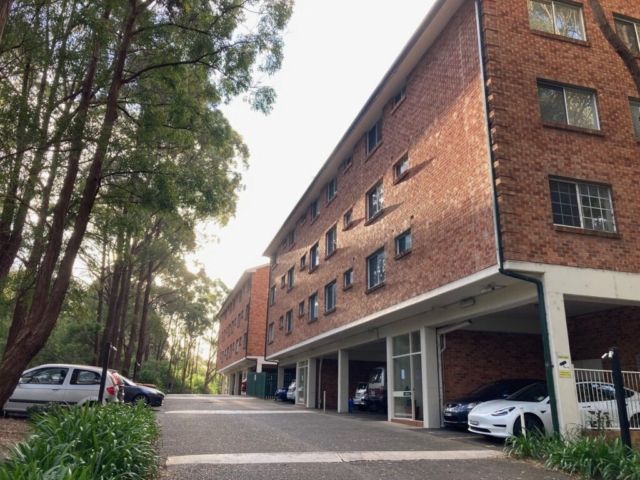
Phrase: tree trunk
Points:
(96, 338)
(5, 6)
(123, 319)
(134, 323)
(145, 313)
(112, 309)
(629, 59)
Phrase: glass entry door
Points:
(407, 377)
(301, 382)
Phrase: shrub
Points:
(87, 443)
(588, 457)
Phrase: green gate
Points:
(262, 385)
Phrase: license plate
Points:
(473, 422)
(448, 415)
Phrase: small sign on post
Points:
(564, 366)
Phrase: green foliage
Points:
(588, 457)
(110, 442)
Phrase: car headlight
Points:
(470, 406)
(502, 412)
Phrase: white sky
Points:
(336, 53)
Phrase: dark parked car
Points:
(134, 393)
(281, 394)
(456, 412)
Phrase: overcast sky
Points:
(336, 52)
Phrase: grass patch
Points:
(587, 457)
(87, 443)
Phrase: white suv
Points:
(68, 384)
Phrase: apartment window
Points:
(374, 136)
(270, 333)
(303, 218)
(274, 260)
(247, 310)
(330, 297)
(290, 279)
(315, 256)
(292, 237)
(629, 33)
(571, 106)
(245, 338)
(348, 161)
(281, 321)
(348, 218)
(315, 210)
(582, 205)
(272, 295)
(332, 189)
(289, 321)
(331, 241)
(348, 278)
(399, 96)
(301, 308)
(237, 345)
(374, 201)
(283, 281)
(556, 17)
(403, 243)
(313, 307)
(635, 116)
(375, 269)
(401, 167)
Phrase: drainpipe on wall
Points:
(548, 362)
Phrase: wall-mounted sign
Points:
(564, 366)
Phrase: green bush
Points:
(87, 443)
(588, 457)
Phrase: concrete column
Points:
(430, 387)
(259, 365)
(567, 400)
(281, 377)
(312, 383)
(389, 378)
(238, 382)
(343, 381)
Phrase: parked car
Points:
(243, 386)
(501, 418)
(120, 381)
(136, 393)
(56, 383)
(360, 397)
(456, 411)
(291, 392)
(376, 398)
(281, 394)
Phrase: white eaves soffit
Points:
(426, 34)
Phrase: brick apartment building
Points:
(241, 338)
(501, 149)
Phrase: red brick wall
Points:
(258, 312)
(590, 336)
(359, 371)
(445, 199)
(475, 358)
(527, 152)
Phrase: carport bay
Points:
(484, 328)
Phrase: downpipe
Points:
(548, 361)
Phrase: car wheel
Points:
(374, 407)
(635, 421)
(532, 424)
(140, 398)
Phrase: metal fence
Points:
(597, 399)
(262, 385)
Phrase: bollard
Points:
(324, 401)
(523, 425)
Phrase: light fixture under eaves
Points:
(467, 302)
(491, 288)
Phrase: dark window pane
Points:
(627, 33)
(541, 16)
(552, 108)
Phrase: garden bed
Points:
(12, 431)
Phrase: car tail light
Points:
(111, 390)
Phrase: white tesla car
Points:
(596, 402)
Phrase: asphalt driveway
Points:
(222, 437)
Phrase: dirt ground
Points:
(12, 431)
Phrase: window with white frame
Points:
(283, 281)
(582, 205)
(401, 167)
(314, 255)
(270, 334)
(281, 321)
(375, 201)
(301, 308)
(348, 161)
(290, 279)
(568, 105)
(348, 218)
(303, 261)
(330, 296)
(272, 295)
(375, 269)
(292, 237)
(331, 241)
(635, 116)
(315, 209)
(374, 136)
(399, 96)
(557, 17)
(313, 307)
(289, 321)
(629, 33)
(348, 278)
(332, 189)
(403, 242)
(303, 218)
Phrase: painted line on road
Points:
(209, 397)
(234, 412)
(329, 457)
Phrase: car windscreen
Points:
(376, 376)
(362, 386)
(485, 389)
(533, 393)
